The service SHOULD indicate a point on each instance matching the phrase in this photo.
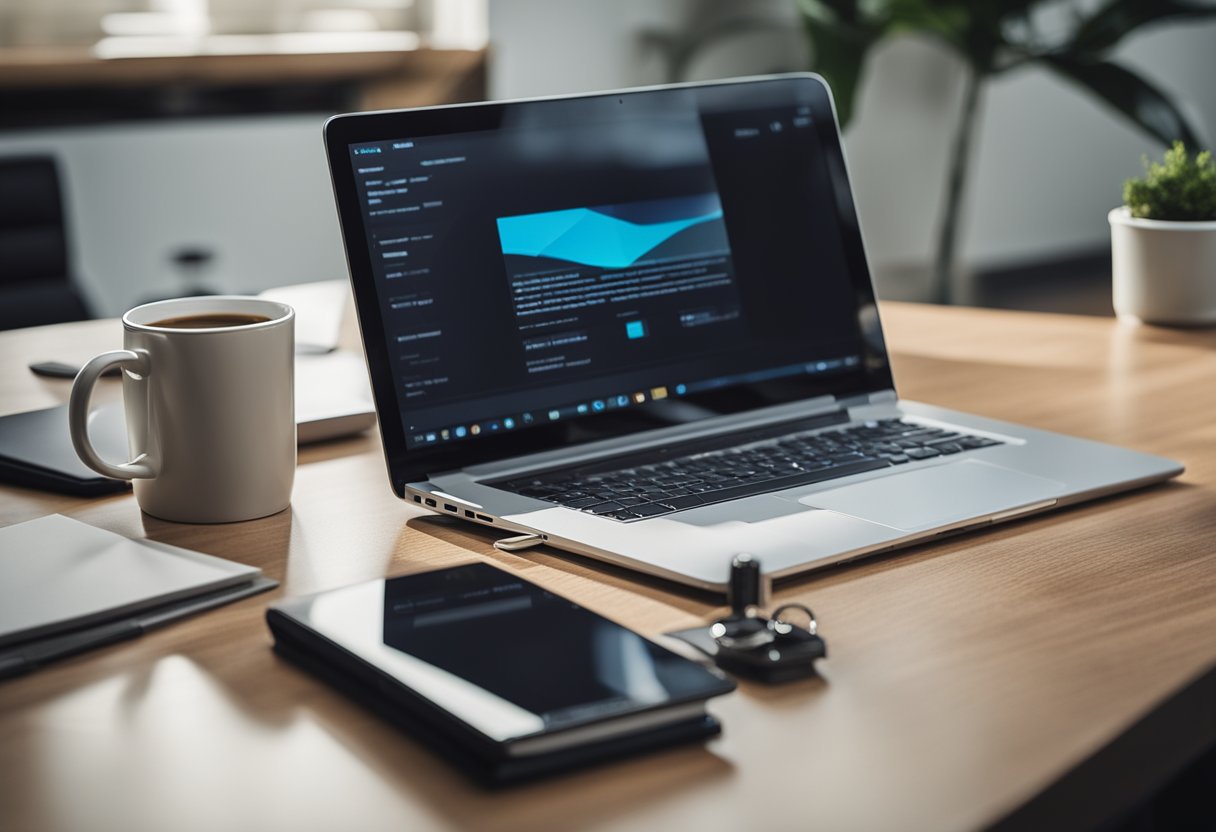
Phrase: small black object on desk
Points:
(36, 451)
(57, 369)
(746, 589)
(746, 643)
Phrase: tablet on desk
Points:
(503, 677)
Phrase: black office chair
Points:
(35, 284)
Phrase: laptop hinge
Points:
(871, 406)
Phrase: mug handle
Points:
(78, 414)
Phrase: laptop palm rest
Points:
(937, 496)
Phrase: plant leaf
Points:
(840, 37)
(1106, 26)
(1005, 8)
(1129, 94)
(977, 31)
(848, 12)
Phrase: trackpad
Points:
(937, 496)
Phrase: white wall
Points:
(255, 190)
(1049, 161)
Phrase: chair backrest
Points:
(33, 234)
(35, 282)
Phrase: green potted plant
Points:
(1163, 242)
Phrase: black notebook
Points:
(505, 679)
(36, 451)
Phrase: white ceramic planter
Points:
(1163, 272)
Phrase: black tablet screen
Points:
(532, 648)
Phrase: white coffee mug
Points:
(207, 389)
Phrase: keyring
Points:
(747, 643)
(741, 634)
(782, 627)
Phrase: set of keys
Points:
(776, 648)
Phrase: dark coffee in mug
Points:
(210, 320)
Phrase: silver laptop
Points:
(640, 326)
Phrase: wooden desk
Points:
(1059, 667)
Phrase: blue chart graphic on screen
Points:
(617, 236)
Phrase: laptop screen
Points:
(579, 268)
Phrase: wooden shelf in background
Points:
(66, 84)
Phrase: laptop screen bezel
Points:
(340, 132)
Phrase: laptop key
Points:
(568, 496)
(923, 453)
(923, 433)
(650, 510)
(604, 508)
(623, 514)
(687, 501)
(582, 502)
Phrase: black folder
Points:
(36, 451)
(519, 703)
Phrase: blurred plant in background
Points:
(994, 37)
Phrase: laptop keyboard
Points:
(757, 468)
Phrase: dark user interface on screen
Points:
(541, 272)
